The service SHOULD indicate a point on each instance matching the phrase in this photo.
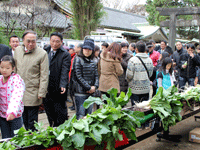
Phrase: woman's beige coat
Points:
(109, 71)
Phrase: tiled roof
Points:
(121, 20)
(56, 20)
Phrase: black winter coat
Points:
(122, 79)
(59, 68)
(176, 57)
(190, 70)
(4, 50)
(86, 75)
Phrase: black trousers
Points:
(56, 109)
(30, 115)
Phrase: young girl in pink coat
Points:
(11, 93)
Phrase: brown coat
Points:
(109, 71)
(33, 68)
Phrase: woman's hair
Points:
(96, 48)
(115, 51)
(80, 54)
(105, 44)
(10, 59)
(191, 46)
(164, 55)
(165, 62)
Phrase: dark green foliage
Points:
(86, 16)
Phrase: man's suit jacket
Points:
(4, 50)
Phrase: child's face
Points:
(168, 66)
(6, 68)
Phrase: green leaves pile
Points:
(167, 105)
(7, 146)
(102, 125)
(192, 93)
(99, 128)
(26, 138)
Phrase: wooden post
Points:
(172, 31)
(173, 12)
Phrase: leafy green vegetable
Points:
(43, 136)
(7, 146)
(167, 105)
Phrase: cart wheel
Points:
(158, 139)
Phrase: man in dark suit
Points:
(59, 66)
(4, 50)
(13, 42)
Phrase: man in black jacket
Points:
(4, 50)
(187, 64)
(59, 66)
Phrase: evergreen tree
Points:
(86, 16)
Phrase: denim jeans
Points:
(8, 127)
(183, 80)
(80, 110)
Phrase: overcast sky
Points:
(125, 3)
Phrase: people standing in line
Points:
(165, 74)
(176, 58)
(11, 93)
(14, 42)
(32, 65)
(197, 79)
(110, 68)
(86, 77)
(154, 55)
(137, 76)
(96, 54)
(187, 64)
(132, 47)
(104, 46)
(59, 66)
(125, 58)
(73, 54)
(77, 49)
(4, 50)
(163, 45)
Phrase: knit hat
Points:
(88, 44)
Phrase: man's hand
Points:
(63, 90)
(184, 66)
(10, 117)
(92, 90)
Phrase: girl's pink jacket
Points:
(11, 94)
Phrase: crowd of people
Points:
(31, 76)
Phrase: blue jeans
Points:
(183, 80)
(8, 127)
(80, 110)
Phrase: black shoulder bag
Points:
(144, 65)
